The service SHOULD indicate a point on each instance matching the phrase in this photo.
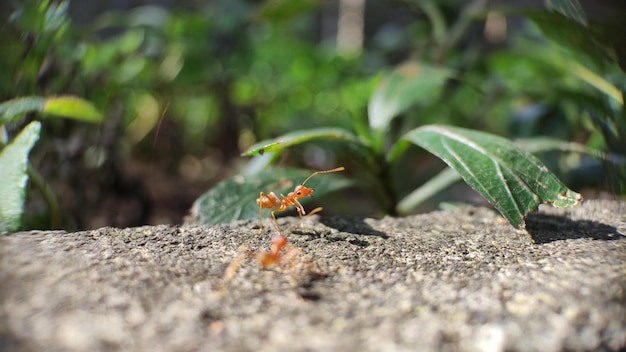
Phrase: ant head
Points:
(303, 191)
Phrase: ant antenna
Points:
(341, 168)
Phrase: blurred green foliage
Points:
(210, 80)
(533, 87)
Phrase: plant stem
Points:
(49, 195)
(388, 198)
(436, 184)
(436, 18)
(459, 28)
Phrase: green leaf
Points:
(65, 106)
(18, 106)
(613, 127)
(408, 84)
(282, 10)
(299, 137)
(570, 33)
(348, 141)
(597, 36)
(595, 79)
(514, 181)
(568, 8)
(72, 107)
(536, 145)
(533, 145)
(148, 16)
(235, 198)
(41, 17)
(349, 144)
(13, 176)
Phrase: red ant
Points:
(270, 200)
(279, 241)
(265, 259)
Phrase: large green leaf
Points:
(235, 198)
(13, 177)
(514, 181)
(65, 106)
(533, 145)
(408, 84)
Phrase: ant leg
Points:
(280, 232)
(301, 222)
(261, 212)
(301, 212)
(296, 204)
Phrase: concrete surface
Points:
(458, 280)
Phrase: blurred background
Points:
(186, 86)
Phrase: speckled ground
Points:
(453, 280)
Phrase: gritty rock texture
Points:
(453, 280)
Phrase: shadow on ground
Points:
(546, 228)
(355, 226)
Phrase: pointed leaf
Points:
(13, 176)
(64, 106)
(350, 143)
(72, 107)
(514, 181)
(408, 84)
(235, 198)
(299, 137)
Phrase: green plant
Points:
(15, 169)
(513, 180)
(197, 70)
(47, 63)
(38, 47)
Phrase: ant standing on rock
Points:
(279, 241)
(270, 200)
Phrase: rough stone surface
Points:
(453, 280)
